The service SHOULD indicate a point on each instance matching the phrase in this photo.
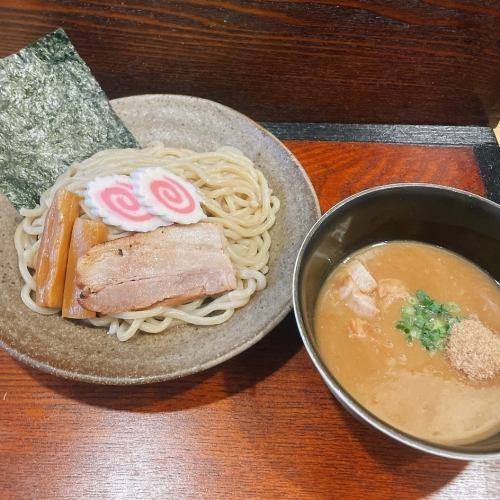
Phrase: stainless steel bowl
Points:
(454, 219)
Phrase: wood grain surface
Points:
(348, 61)
(339, 169)
(261, 425)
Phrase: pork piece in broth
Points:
(391, 290)
(361, 277)
(355, 288)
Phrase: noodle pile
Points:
(233, 193)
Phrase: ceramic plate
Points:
(70, 349)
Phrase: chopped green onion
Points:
(428, 320)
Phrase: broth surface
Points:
(404, 385)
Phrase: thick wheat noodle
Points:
(234, 193)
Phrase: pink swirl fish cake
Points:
(113, 200)
(167, 195)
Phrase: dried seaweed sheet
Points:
(52, 113)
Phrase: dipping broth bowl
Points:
(451, 218)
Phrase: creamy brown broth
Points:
(401, 383)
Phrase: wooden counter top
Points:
(262, 425)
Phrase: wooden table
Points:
(261, 425)
(348, 61)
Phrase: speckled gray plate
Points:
(75, 351)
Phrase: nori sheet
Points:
(52, 113)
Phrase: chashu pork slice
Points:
(170, 265)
